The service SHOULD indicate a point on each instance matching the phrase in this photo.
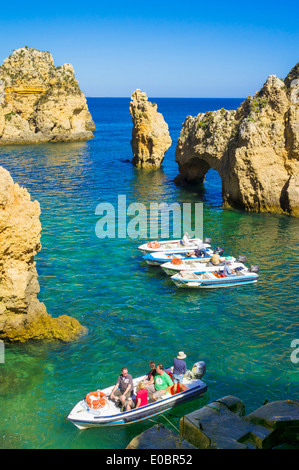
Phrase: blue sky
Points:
(166, 48)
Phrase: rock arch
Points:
(255, 149)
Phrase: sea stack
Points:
(22, 316)
(150, 135)
(255, 149)
(40, 102)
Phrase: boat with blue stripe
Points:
(198, 266)
(174, 246)
(158, 258)
(84, 416)
(213, 280)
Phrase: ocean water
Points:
(133, 312)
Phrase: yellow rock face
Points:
(31, 91)
(22, 316)
(150, 136)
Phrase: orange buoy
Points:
(176, 261)
(154, 244)
(96, 400)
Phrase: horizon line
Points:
(176, 97)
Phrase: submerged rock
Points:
(150, 135)
(40, 102)
(255, 149)
(22, 315)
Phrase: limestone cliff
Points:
(255, 149)
(22, 316)
(40, 102)
(150, 136)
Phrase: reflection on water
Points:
(149, 186)
(133, 312)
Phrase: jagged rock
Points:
(150, 136)
(40, 102)
(254, 149)
(22, 316)
(223, 425)
(159, 437)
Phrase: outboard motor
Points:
(198, 370)
(254, 269)
(220, 251)
(208, 241)
(242, 259)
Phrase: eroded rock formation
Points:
(22, 315)
(150, 135)
(255, 149)
(40, 102)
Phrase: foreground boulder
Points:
(223, 425)
(255, 149)
(22, 315)
(40, 102)
(150, 136)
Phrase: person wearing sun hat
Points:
(179, 367)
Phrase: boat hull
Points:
(216, 283)
(159, 258)
(173, 245)
(82, 417)
(172, 269)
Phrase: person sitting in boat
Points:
(123, 388)
(215, 260)
(141, 397)
(185, 240)
(162, 383)
(227, 270)
(152, 372)
(179, 367)
(201, 251)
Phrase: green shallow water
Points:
(133, 312)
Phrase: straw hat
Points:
(181, 355)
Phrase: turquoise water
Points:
(133, 312)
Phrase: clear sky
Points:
(165, 48)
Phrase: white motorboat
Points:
(158, 258)
(199, 266)
(108, 413)
(210, 280)
(173, 246)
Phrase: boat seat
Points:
(188, 275)
(191, 264)
(209, 276)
